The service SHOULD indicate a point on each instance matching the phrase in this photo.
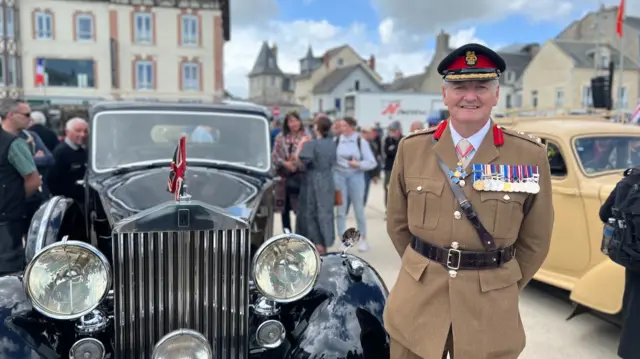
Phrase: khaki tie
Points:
(464, 149)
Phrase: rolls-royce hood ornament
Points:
(176, 184)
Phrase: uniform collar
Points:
(475, 139)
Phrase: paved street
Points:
(549, 335)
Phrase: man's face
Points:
(78, 133)
(470, 101)
(337, 127)
(21, 117)
(396, 133)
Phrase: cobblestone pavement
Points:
(549, 335)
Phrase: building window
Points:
(340, 61)
(587, 100)
(143, 29)
(191, 76)
(69, 73)
(356, 85)
(559, 98)
(2, 77)
(44, 25)
(84, 27)
(189, 30)
(604, 61)
(12, 71)
(623, 99)
(534, 99)
(510, 77)
(144, 75)
(7, 23)
(509, 101)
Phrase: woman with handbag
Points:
(283, 158)
(317, 157)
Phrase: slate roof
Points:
(516, 62)
(266, 63)
(412, 83)
(579, 52)
(335, 78)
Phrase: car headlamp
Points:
(285, 267)
(67, 279)
(183, 343)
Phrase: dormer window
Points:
(509, 77)
(271, 63)
(604, 60)
(340, 61)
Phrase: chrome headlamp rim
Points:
(64, 243)
(190, 332)
(266, 245)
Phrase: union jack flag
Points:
(178, 169)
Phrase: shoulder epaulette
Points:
(524, 136)
(424, 131)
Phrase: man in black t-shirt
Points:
(70, 162)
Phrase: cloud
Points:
(294, 37)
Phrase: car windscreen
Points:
(126, 138)
(608, 153)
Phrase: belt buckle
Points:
(449, 256)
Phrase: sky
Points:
(399, 33)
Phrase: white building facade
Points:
(97, 50)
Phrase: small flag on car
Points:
(178, 169)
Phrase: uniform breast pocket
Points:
(502, 213)
(423, 202)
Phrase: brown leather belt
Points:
(456, 259)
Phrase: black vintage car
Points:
(134, 273)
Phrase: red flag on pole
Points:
(178, 169)
(620, 19)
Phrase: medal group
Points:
(506, 178)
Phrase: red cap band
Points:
(471, 61)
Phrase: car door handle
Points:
(569, 191)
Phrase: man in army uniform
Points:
(470, 214)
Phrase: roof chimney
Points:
(274, 50)
(372, 62)
(442, 42)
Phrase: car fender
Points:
(55, 217)
(22, 334)
(601, 288)
(342, 316)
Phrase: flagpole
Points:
(621, 51)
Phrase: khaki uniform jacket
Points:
(481, 306)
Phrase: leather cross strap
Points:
(485, 237)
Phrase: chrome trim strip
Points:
(42, 231)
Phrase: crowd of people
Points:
(327, 169)
(34, 165)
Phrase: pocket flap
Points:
(507, 275)
(424, 185)
(414, 263)
(505, 197)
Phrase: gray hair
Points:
(74, 121)
(8, 105)
(39, 118)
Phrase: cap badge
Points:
(471, 59)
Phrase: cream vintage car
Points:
(587, 156)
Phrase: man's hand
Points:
(39, 154)
(354, 164)
(290, 166)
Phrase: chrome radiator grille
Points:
(170, 280)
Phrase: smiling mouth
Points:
(469, 107)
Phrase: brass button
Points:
(457, 215)
(419, 188)
(506, 197)
(462, 183)
(455, 245)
